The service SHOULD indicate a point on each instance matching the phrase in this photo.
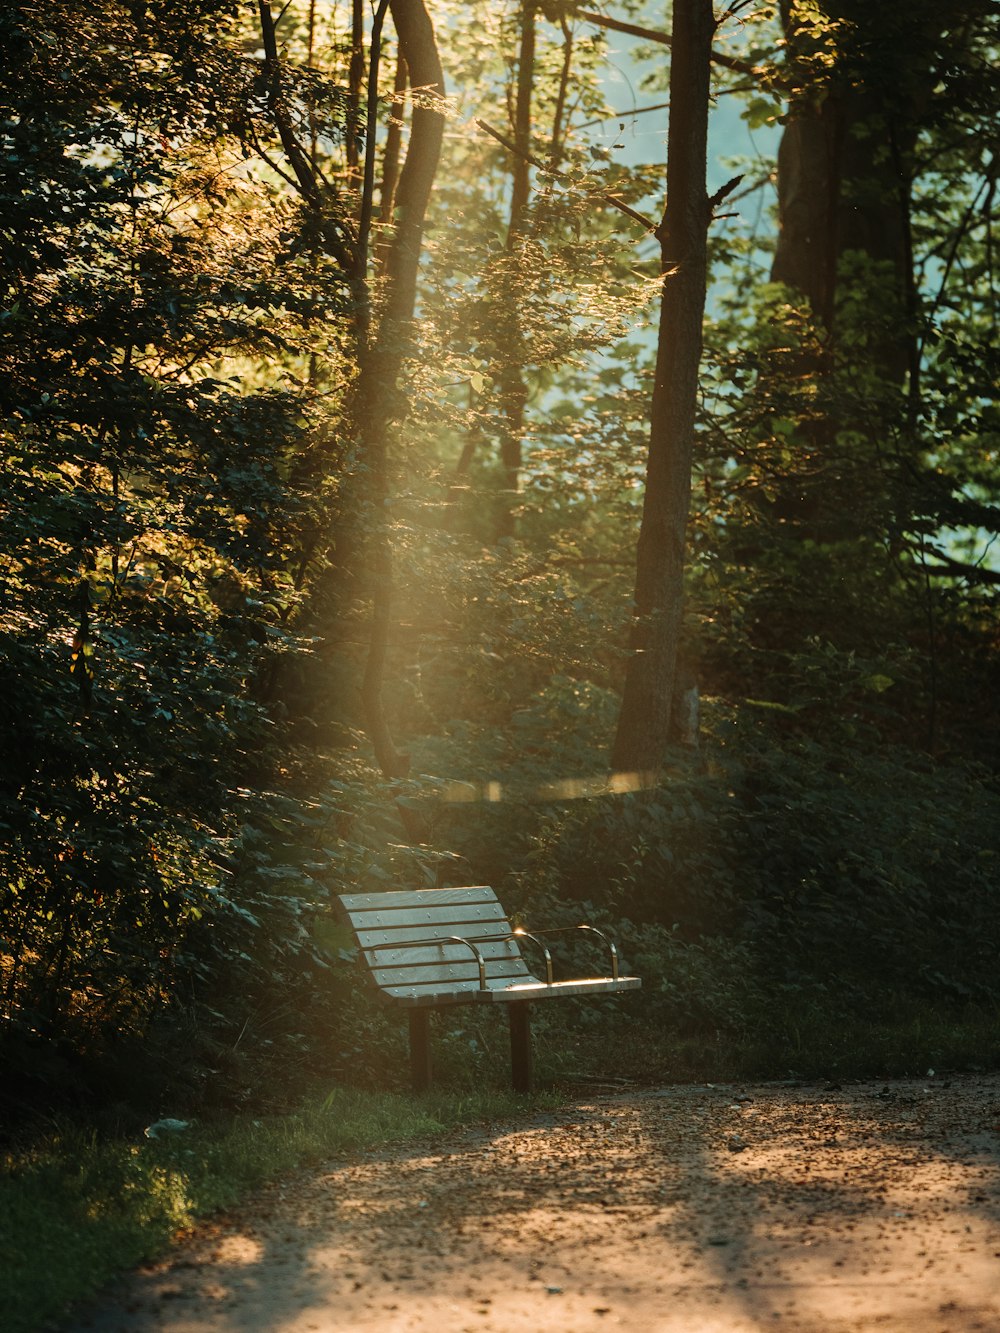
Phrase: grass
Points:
(75, 1210)
(906, 1038)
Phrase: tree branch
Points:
(950, 568)
(724, 193)
(663, 39)
(625, 115)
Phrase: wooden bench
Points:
(430, 948)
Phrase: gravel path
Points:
(701, 1209)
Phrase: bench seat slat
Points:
(414, 956)
(534, 989)
(450, 992)
(474, 930)
(445, 973)
(361, 902)
(450, 914)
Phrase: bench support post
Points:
(520, 1045)
(420, 1049)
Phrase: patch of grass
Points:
(904, 1037)
(75, 1210)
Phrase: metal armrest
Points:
(521, 934)
(438, 939)
(562, 930)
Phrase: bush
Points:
(780, 866)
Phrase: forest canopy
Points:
(501, 443)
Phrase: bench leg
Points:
(420, 1049)
(520, 1045)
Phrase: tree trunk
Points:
(418, 47)
(393, 145)
(377, 402)
(844, 162)
(836, 195)
(355, 79)
(644, 722)
(513, 391)
(845, 177)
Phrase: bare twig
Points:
(624, 115)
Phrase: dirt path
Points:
(681, 1210)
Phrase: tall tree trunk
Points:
(521, 167)
(355, 79)
(844, 161)
(378, 401)
(645, 718)
(845, 177)
(513, 391)
(836, 196)
(418, 46)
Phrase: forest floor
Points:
(691, 1209)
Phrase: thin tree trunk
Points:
(513, 391)
(558, 126)
(355, 78)
(367, 201)
(644, 723)
(521, 168)
(393, 144)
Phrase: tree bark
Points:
(644, 723)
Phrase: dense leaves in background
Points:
(152, 505)
(850, 402)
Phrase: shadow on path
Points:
(680, 1210)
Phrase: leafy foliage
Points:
(151, 514)
(185, 607)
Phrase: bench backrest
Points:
(406, 969)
